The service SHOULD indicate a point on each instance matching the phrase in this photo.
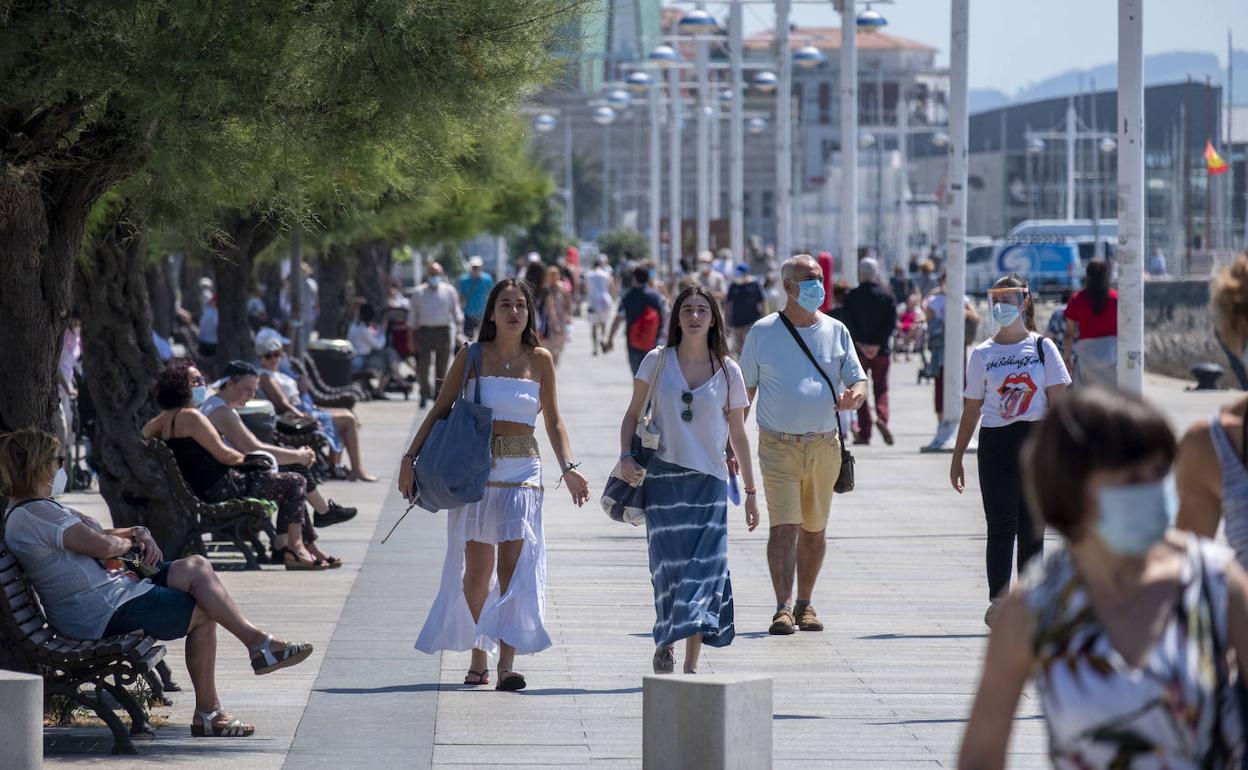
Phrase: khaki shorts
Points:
(798, 477)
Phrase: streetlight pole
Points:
(570, 201)
(784, 133)
(848, 259)
(903, 216)
(673, 172)
(1072, 127)
(955, 265)
(606, 177)
(1130, 255)
(736, 134)
(702, 144)
(656, 161)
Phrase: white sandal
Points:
(265, 661)
(202, 726)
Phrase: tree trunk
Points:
(333, 266)
(249, 234)
(371, 272)
(159, 281)
(39, 239)
(121, 364)
(192, 271)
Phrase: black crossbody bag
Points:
(845, 481)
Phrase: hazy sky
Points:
(1018, 42)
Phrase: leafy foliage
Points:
(614, 243)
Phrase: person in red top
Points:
(1092, 317)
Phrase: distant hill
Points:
(1171, 67)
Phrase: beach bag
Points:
(454, 463)
(845, 481)
(293, 424)
(623, 501)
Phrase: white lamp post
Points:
(784, 133)
(1130, 257)
(664, 56)
(700, 24)
(605, 116)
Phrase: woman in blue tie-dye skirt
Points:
(698, 406)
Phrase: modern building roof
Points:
(829, 39)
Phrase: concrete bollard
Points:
(21, 720)
(706, 722)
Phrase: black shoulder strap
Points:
(1040, 338)
(801, 343)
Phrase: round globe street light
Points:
(639, 81)
(940, 139)
(697, 23)
(866, 140)
(870, 20)
(604, 116)
(756, 126)
(765, 81)
(619, 99)
(808, 57)
(1108, 145)
(726, 96)
(545, 123)
(664, 55)
(1035, 146)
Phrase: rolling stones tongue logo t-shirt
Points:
(1011, 379)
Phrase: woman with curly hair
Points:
(1212, 471)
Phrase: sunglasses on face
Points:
(687, 413)
(267, 356)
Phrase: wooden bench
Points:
(66, 664)
(238, 521)
(323, 394)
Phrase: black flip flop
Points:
(483, 677)
(510, 681)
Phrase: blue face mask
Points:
(810, 294)
(1004, 314)
(199, 394)
(434, 280)
(1133, 517)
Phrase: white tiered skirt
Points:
(510, 510)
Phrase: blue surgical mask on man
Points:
(434, 280)
(1004, 314)
(810, 294)
(1133, 517)
(199, 394)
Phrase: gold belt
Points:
(514, 446)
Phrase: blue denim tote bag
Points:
(455, 461)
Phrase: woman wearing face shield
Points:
(1125, 632)
(1212, 472)
(1010, 380)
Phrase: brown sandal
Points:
(206, 726)
(295, 564)
(483, 677)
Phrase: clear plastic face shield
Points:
(1007, 305)
(1007, 296)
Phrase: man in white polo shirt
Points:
(798, 448)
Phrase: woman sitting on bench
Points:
(64, 554)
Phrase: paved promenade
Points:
(887, 685)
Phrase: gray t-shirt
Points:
(78, 595)
(792, 395)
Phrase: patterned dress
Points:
(1177, 710)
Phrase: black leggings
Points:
(1005, 505)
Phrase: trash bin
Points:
(260, 418)
(333, 361)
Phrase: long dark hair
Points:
(1096, 279)
(715, 341)
(489, 329)
(1016, 281)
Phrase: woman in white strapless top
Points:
(479, 607)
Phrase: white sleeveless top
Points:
(513, 399)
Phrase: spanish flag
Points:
(1213, 161)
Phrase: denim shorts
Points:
(162, 612)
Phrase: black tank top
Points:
(200, 469)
